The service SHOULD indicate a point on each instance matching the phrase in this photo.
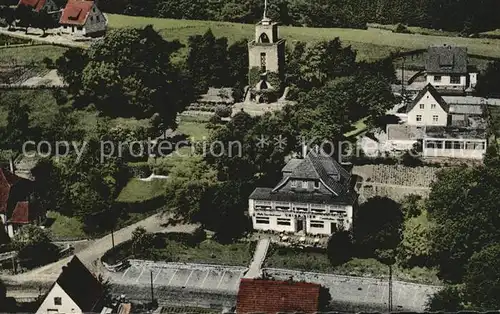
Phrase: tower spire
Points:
(265, 9)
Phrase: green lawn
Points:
(194, 130)
(137, 190)
(281, 257)
(371, 44)
(65, 227)
(359, 127)
(30, 55)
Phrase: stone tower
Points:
(266, 54)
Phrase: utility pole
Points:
(403, 92)
(113, 236)
(390, 288)
(152, 290)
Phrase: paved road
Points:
(258, 258)
(34, 34)
(90, 255)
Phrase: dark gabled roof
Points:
(37, 5)
(434, 93)
(81, 285)
(319, 166)
(76, 12)
(446, 59)
(271, 297)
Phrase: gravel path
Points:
(258, 258)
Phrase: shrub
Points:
(223, 111)
(140, 169)
(400, 28)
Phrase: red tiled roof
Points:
(271, 297)
(76, 12)
(36, 4)
(20, 215)
(7, 180)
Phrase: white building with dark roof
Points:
(448, 69)
(315, 196)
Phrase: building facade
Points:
(315, 196)
(83, 18)
(428, 108)
(447, 69)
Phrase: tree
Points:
(237, 54)
(378, 226)
(412, 206)
(34, 246)
(463, 203)
(8, 14)
(416, 247)
(25, 15)
(131, 69)
(449, 299)
(44, 20)
(482, 278)
(489, 80)
(17, 131)
(70, 66)
(340, 247)
(142, 243)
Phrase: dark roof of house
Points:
(268, 296)
(404, 132)
(317, 165)
(80, 285)
(434, 93)
(37, 5)
(76, 12)
(455, 133)
(21, 213)
(7, 181)
(446, 60)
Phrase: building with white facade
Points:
(76, 290)
(449, 126)
(315, 196)
(80, 17)
(447, 69)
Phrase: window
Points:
(305, 184)
(65, 27)
(455, 79)
(283, 222)
(293, 184)
(419, 118)
(422, 106)
(79, 28)
(317, 224)
(433, 106)
(93, 9)
(263, 61)
(435, 119)
(91, 19)
(57, 301)
(437, 78)
(98, 18)
(262, 220)
(316, 185)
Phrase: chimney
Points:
(304, 149)
(11, 165)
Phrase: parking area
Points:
(178, 275)
(358, 290)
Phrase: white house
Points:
(76, 290)
(428, 108)
(315, 196)
(447, 69)
(83, 18)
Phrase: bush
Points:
(49, 64)
(223, 111)
(140, 169)
(400, 28)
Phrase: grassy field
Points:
(281, 257)
(65, 227)
(137, 190)
(371, 44)
(30, 55)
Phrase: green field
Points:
(281, 257)
(30, 55)
(371, 44)
(137, 190)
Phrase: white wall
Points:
(94, 26)
(454, 153)
(427, 113)
(67, 305)
(446, 81)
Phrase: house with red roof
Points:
(80, 17)
(39, 5)
(272, 297)
(15, 208)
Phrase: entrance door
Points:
(300, 225)
(333, 228)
